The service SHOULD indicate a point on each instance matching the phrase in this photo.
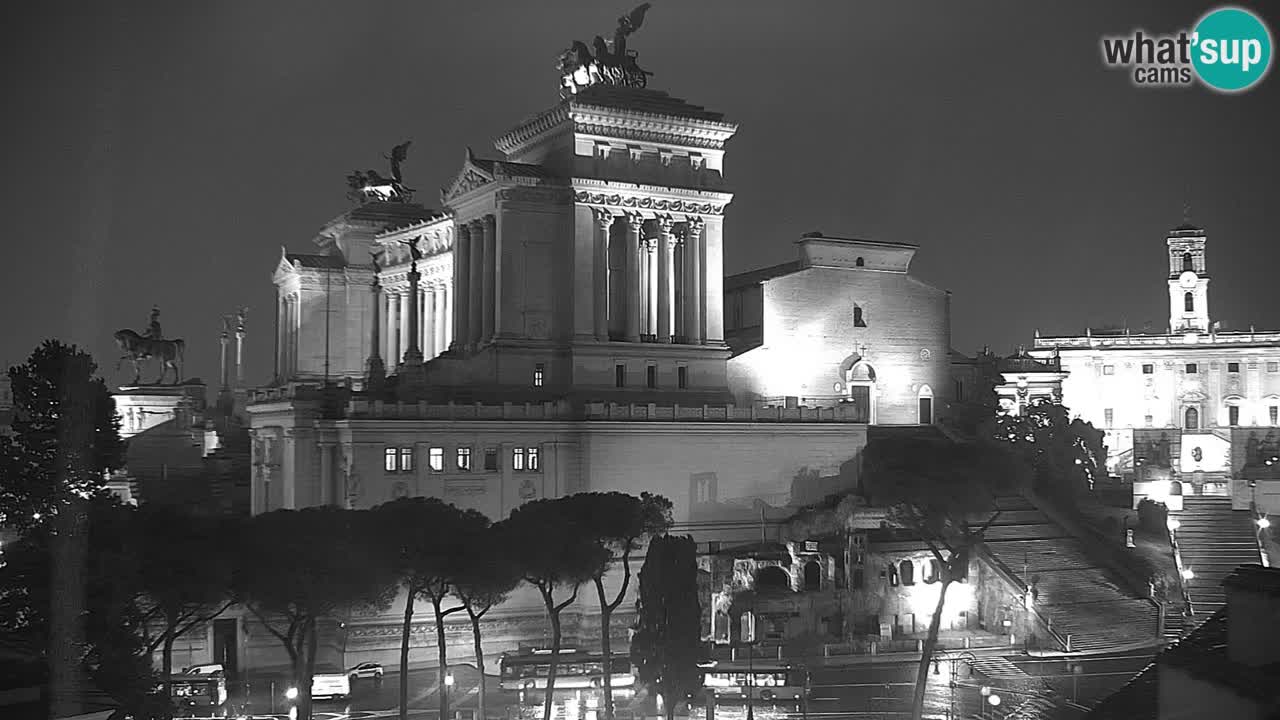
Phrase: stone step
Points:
(1024, 532)
(1055, 587)
(1041, 555)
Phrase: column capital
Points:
(604, 218)
(694, 223)
(634, 221)
(665, 224)
(490, 221)
(464, 231)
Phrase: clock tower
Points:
(1188, 280)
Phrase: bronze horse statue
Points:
(138, 348)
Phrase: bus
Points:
(577, 670)
(199, 695)
(764, 681)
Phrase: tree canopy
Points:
(667, 647)
(1066, 456)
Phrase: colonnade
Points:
(649, 279)
(435, 326)
(475, 270)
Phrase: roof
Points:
(1204, 655)
(755, 277)
(1187, 228)
(1256, 578)
(499, 168)
(333, 262)
(1021, 362)
(393, 214)
(643, 100)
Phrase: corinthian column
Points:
(444, 329)
(429, 300)
(376, 372)
(634, 225)
(475, 294)
(413, 352)
(666, 243)
(490, 277)
(600, 286)
(461, 284)
(693, 301)
(651, 286)
(404, 315)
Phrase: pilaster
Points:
(694, 307)
(462, 285)
(475, 299)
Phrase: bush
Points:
(1153, 517)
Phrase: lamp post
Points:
(448, 685)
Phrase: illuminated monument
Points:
(559, 326)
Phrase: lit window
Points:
(490, 459)
(464, 458)
(1233, 367)
(531, 459)
(682, 377)
(389, 460)
(1192, 369)
(620, 375)
(435, 459)
(1109, 416)
(537, 375)
(517, 458)
(1108, 369)
(1148, 369)
(651, 376)
(406, 459)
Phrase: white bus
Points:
(764, 681)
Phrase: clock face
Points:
(1188, 279)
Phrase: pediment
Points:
(470, 177)
(284, 268)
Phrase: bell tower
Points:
(1188, 280)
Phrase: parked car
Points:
(328, 683)
(366, 671)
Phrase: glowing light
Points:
(1263, 523)
(291, 693)
(924, 599)
(1187, 574)
(448, 680)
(993, 699)
(985, 691)
(1173, 524)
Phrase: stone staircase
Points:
(1077, 595)
(1213, 540)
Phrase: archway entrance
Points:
(860, 381)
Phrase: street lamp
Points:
(448, 685)
(1263, 523)
(1173, 524)
(1187, 574)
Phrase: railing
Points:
(1045, 623)
(1177, 560)
(1234, 338)
(725, 413)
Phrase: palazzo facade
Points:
(1196, 405)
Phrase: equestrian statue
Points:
(151, 345)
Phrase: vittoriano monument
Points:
(370, 185)
(602, 64)
(151, 344)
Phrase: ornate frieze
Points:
(631, 202)
(545, 195)
(623, 131)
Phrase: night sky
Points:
(161, 153)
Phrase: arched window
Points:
(812, 575)
(1175, 488)
(1189, 302)
(1192, 417)
(859, 262)
(858, 320)
(925, 403)
(1188, 262)
(932, 574)
(908, 572)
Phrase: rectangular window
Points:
(1233, 415)
(1192, 369)
(682, 377)
(490, 460)
(1273, 414)
(1148, 369)
(1109, 416)
(406, 459)
(464, 459)
(517, 458)
(1233, 367)
(435, 459)
(389, 460)
(532, 460)
(651, 376)
(620, 375)
(1108, 369)
(538, 371)
(1273, 367)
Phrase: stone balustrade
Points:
(1093, 341)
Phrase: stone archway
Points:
(859, 377)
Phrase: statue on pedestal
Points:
(139, 347)
(580, 68)
(371, 185)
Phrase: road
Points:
(882, 690)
